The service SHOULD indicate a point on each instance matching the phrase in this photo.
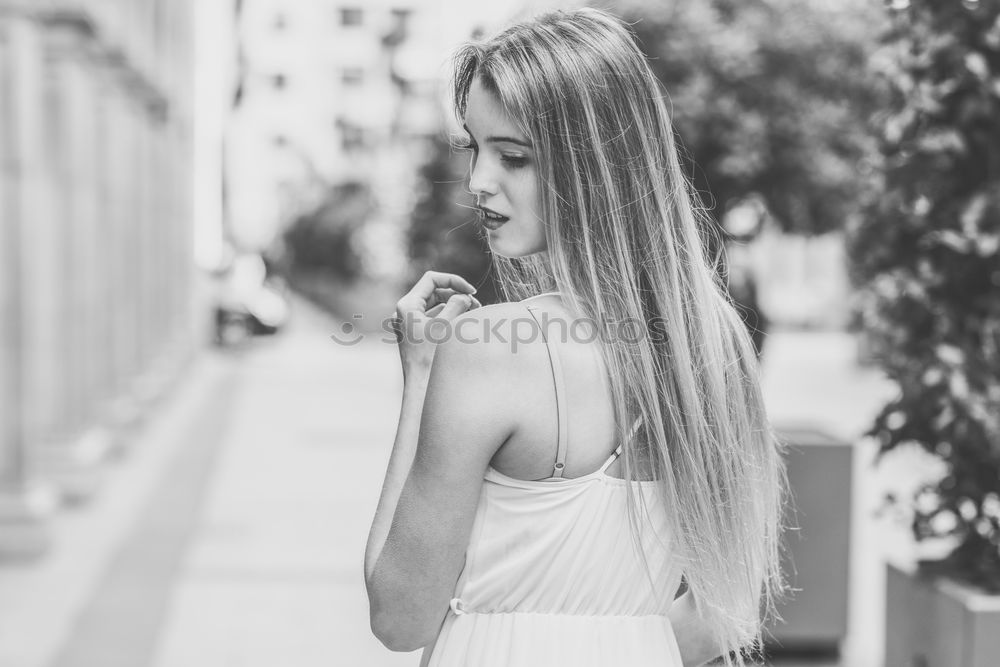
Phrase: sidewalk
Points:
(274, 572)
(245, 529)
(41, 603)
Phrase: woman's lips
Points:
(491, 219)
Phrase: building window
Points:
(351, 16)
(352, 76)
(352, 137)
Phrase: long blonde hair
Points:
(626, 242)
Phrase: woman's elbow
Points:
(397, 642)
(399, 634)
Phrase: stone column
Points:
(88, 89)
(42, 248)
(148, 383)
(119, 311)
(103, 247)
(159, 366)
(128, 218)
(192, 308)
(131, 221)
(162, 280)
(24, 503)
(87, 310)
(70, 451)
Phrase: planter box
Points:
(816, 560)
(936, 622)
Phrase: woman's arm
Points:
(438, 295)
(454, 418)
(694, 637)
(400, 461)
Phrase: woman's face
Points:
(503, 177)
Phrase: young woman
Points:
(552, 482)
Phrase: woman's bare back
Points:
(531, 451)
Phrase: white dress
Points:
(552, 576)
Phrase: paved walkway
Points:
(243, 545)
(53, 603)
(273, 574)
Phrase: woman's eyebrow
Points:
(496, 139)
(510, 140)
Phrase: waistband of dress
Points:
(459, 608)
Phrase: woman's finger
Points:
(436, 311)
(441, 296)
(420, 296)
(456, 305)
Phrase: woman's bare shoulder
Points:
(499, 322)
(503, 308)
(487, 354)
(498, 335)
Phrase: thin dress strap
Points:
(557, 378)
(618, 450)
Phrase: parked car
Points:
(249, 303)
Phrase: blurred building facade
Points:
(98, 306)
(326, 93)
(332, 91)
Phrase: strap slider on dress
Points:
(456, 606)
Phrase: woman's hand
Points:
(436, 296)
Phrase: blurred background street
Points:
(196, 196)
(233, 533)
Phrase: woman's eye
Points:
(514, 161)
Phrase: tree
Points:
(444, 234)
(321, 240)
(769, 98)
(926, 255)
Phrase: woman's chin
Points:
(504, 248)
(510, 241)
(500, 250)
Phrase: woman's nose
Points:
(480, 180)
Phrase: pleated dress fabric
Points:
(554, 577)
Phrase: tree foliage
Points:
(444, 234)
(926, 256)
(768, 97)
(320, 241)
